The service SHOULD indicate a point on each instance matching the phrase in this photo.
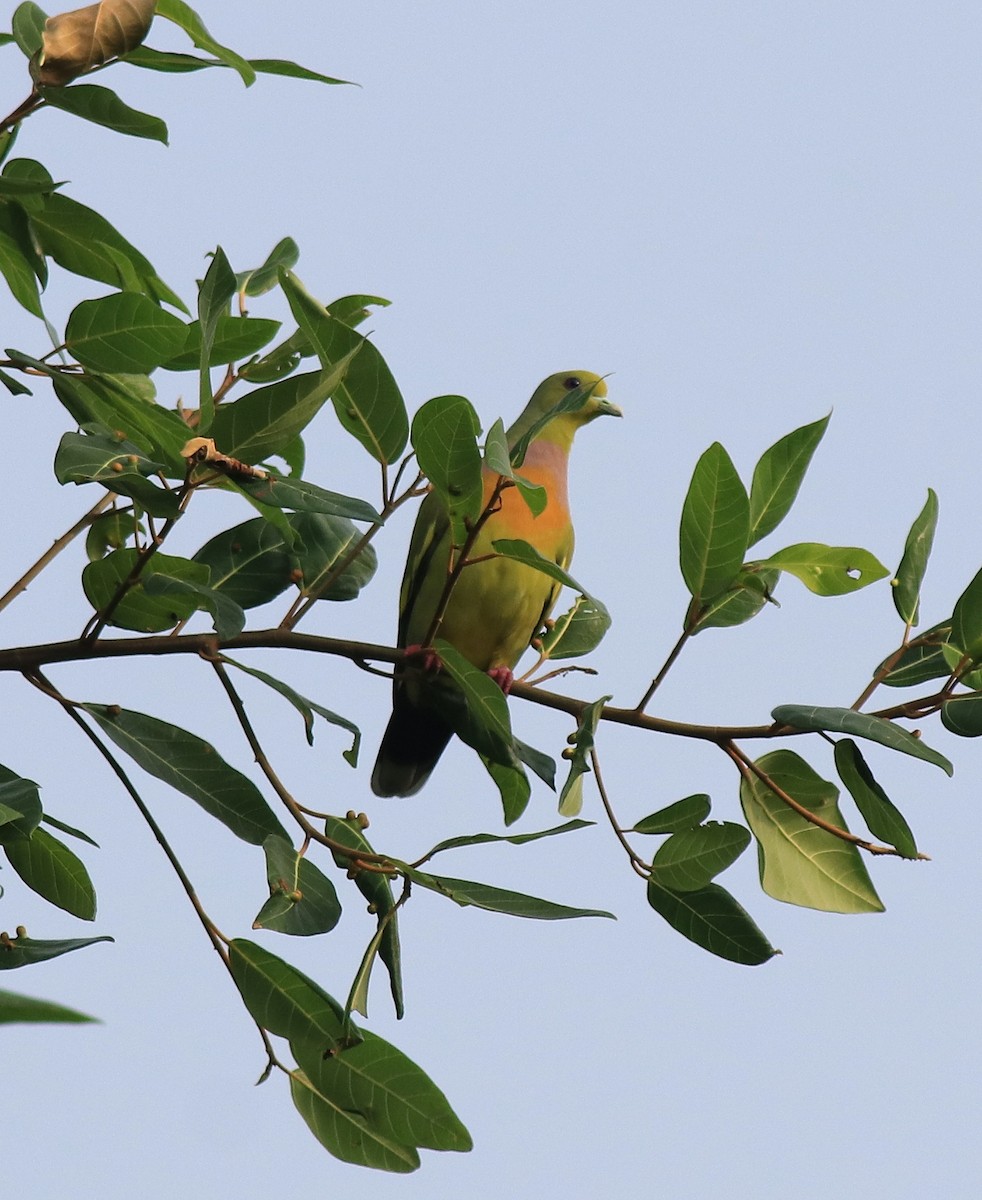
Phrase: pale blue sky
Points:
(750, 213)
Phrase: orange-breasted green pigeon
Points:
(497, 605)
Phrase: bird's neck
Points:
(559, 433)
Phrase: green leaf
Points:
(856, 724)
(444, 436)
(261, 423)
(966, 621)
(497, 459)
(713, 920)
(281, 66)
(14, 386)
(799, 862)
(326, 542)
(683, 814)
(513, 839)
(23, 951)
(29, 1009)
(228, 617)
(118, 403)
(377, 890)
(102, 106)
(249, 563)
(263, 279)
(477, 710)
(525, 553)
(284, 1001)
(690, 859)
(17, 270)
(49, 868)
(922, 660)
(346, 1135)
(500, 900)
(578, 631)
(367, 401)
(140, 609)
(307, 709)
(280, 492)
(234, 338)
(581, 744)
(187, 19)
(27, 28)
(715, 525)
(962, 716)
(513, 787)
(191, 766)
(48, 819)
(214, 294)
(917, 550)
(123, 333)
(388, 1090)
(83, 242)
(883, 819)
(20, 806)
(302, 900)
(778, 476)
(740, 602)
(828, 570)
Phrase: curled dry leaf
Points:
(75, 42)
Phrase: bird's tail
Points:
(412, 744)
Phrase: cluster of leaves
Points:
(259, 386)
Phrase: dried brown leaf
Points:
(75, 42)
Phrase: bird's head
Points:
(560, 405)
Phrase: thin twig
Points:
(55, 549)
(638, 865)
(666, 667)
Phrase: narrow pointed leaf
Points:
(883, 819)
(285, 1001)
(102, 106)
(377, 890)
(117, 464)
(191, 766)
(229, 618)
(778, 476)
(326, 543)
(917, 550)
(500, 900)
(923, 659)
(20, 806)
(263, 279)
(24, 951)
(966, 621)
(184, 16)
(713, 920)
(513, 788)
(307, 709)
(856, 724)
(214, 294)
(513, 839)
(29, 1009)
(296, 494)
(715, 525)
(481, 720)
(799, 862)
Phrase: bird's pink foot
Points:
(425, 657)
(503, 677)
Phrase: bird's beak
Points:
(607, 408)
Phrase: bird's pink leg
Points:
(503, 677)
(426, 657)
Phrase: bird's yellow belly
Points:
(494, 611)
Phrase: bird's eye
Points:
(572, 383)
